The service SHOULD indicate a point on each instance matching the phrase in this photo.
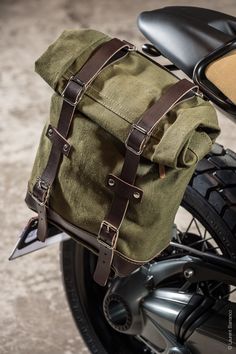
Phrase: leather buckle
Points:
(109, 227)
(142, 146)
(80, 93)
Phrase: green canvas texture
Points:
(102, 121)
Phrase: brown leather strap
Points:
(135, 143)
(107, 53)
(141, 131)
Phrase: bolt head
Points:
(136, 195)
(50, 132)
(111, 182)
(188, 273)
(66, 147)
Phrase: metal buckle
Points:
(109, 227)
(142, 146)
(80, 93)
(140, 129)
(43, 186)
(198, 92)
(131, 47)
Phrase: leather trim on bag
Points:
(122, 266)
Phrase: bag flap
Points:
(124, 90)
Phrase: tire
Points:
(210, 197)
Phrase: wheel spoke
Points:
(229, 293)
(197, 226)
(215, 287)
(193, 235)
(188, 228)
(204, 244)
(199, 242)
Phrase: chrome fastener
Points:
(66, 147)
(136, 195)
(188, 273)
(50, 132)
(111, 182)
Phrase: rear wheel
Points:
(206, 220)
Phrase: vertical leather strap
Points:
(107, 53)
(138, 136)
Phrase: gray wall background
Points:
(34, 317)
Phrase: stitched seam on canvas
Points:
(111, 100)
(110, 109)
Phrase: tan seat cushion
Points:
(222, 73)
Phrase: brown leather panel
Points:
(124, 189)
(119, 204)
(58, 140)
(122, 266)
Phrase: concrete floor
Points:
(34, 317)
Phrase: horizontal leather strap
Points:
(124, 266)
(58, 140)
(124, 189)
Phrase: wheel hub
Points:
(117, 312)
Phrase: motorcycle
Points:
(183, 301)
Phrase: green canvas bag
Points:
(120, 146)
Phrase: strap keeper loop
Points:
(143, 143)
(78, 95)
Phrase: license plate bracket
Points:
(28, 241)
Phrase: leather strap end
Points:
(42, 231)
(103, 267)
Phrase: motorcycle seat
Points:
(185, 34)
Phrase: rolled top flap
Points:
(71, 46)
(124, 90)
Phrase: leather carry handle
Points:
(105, 54)
(138, 136)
